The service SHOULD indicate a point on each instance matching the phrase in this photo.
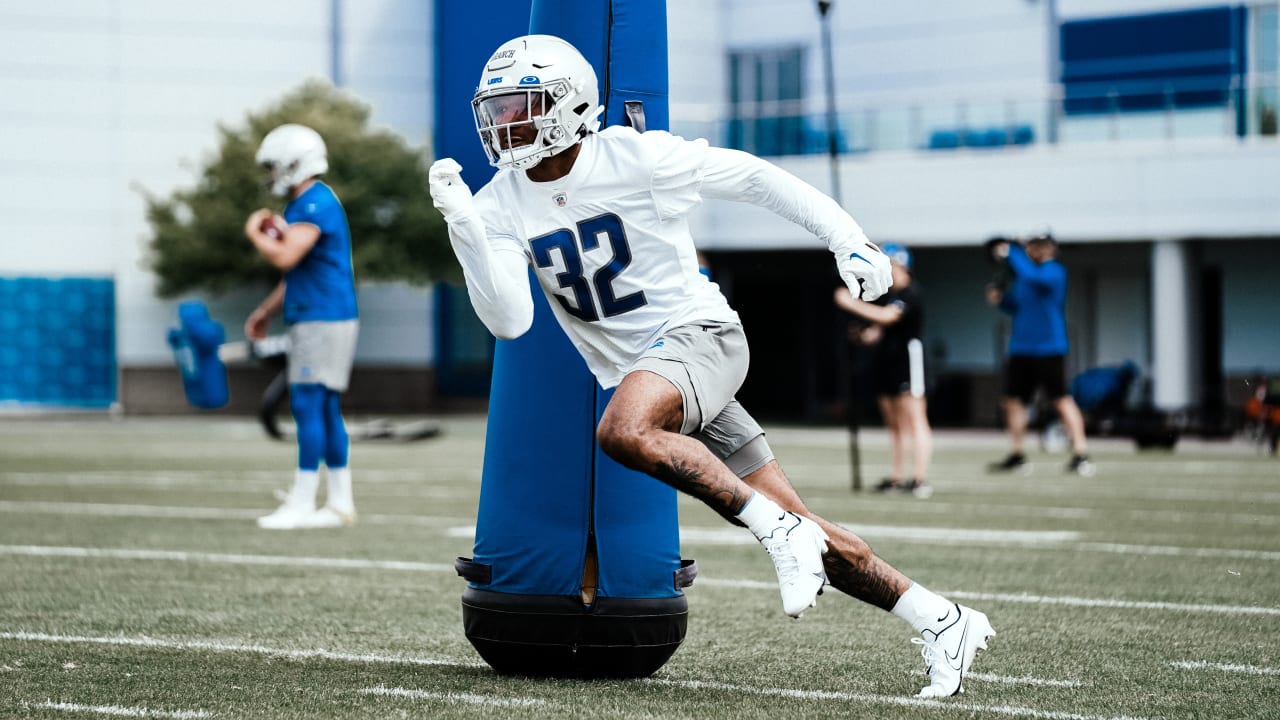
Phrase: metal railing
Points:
(1138, 110)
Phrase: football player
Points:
(318, 299)
(600, 216)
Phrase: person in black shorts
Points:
(895, 321)
(1037, 355)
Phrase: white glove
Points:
(866, 271)
(449, 193)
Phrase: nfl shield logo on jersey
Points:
(560, 199)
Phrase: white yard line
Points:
(401, 565)
(945, 704)
(1225, 667)
(1051, 540)
(120, 711)
(221, 646)
(125, 510)
(1035, 599)
(1120, 491)
(1023, 680)
(933, 507)
(455, 697)
(738, 536)
(1117, 604)
(1124, 549)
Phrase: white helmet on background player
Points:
(291, 154)
(555, 89)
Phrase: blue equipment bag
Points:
(195, 348)
(1104, 389)
(576, 569)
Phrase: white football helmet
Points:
(537, 97)
(290, 154)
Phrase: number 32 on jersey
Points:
(593, 298)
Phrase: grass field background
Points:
(134, 582)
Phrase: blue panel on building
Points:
(1184, 59)
(59, 345)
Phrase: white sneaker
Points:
(796, 546)
(289, 516)
(330, 517)
(949, 652)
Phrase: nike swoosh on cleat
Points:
(955, 661)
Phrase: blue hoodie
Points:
(1037, 301)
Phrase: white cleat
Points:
(329, 517)
(949, 652)
(289, 516)
(796, 546)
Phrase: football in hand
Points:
(273, 226)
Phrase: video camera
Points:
(1002, 277)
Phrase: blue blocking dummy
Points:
(576, 569)
(195, 345)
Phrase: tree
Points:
(198, 238)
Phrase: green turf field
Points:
(134, 583)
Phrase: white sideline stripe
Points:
(187, 512)
(739, 536)
(1119, 604)
(1225, 667)
(230, 559)
(116, 510)
(945, 704)
(248, 481)
(119, 711)
(218, 646)
(1023, 680)
(1180, 551)
(1035, 599)
(454, 697)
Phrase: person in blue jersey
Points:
(1036, 300)
(317, 298)
(894, 332)
(601, 217)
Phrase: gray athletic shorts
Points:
(321, 353)
(707, 362)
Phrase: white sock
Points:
(340, 498)
(761, 515)
(922, 608)
(305, 485)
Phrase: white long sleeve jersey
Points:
(610, 244)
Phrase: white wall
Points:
(1087, 192)
(107, 100)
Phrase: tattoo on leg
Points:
(686, 478)
(864, 577)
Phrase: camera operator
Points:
(1035, 297)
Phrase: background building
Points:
(1142, 133)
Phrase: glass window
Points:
(1266, 67)
(766, 96)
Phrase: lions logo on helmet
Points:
(536, 98)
